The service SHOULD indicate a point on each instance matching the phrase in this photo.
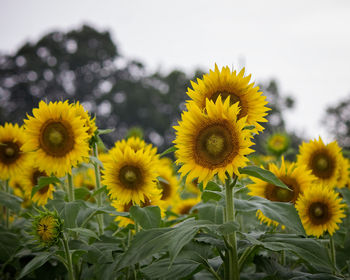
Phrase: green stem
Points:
(332, 248)
(70, 187)
(98, 186)
(6, 208)
(283, 258)
(230, 217)
(68, 257)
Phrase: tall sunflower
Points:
(320, 209)
(29, 178)
(213, 142)
(12, 138)
(323, 160)
(57, 137)
(226, 83)
(129, 175)
(297, 178)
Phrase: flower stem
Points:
(230, 217)
(70, 187)
(68, 257)
(6, 208)
(332, 248)
(98, 186)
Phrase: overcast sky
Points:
(305, 45)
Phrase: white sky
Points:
(305, 45)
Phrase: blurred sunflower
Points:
(129, 175)
(225, 83)
(297, 178)
(19, 190)
(89, 122)
(213, 142)
(57, 137)
(29, 179)
(323, 160)
(85, 178)
(344, 174)
(168, 183)
(12, 138)
(278, 143)
(320, 209)
(184, 206)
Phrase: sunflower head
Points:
(211, 142)
(89, 122)
(320, 210)
(278, 143)
(130, 176)
(226, 83)
(12, 138)
(47, 228)
(184, 206)
(344, 172)
(322, 160)
(57, 137)
(19, 190)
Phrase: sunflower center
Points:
(166, 189)
(130, 176)
(185, 209)
(56, 138)
(319, 213)
(233, 99)
(214, 145)
(274, 193)
(322, 165)
(44, 190)
(9, 152)
(35, 177)
(283, 194)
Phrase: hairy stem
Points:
(98, 186)
(68, 257)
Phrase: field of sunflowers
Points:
(208, 207)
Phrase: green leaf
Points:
(282, 212)
(249, 127)
(96, 161)
(100, 190)
(210, 211)
(9, 243)
(212, 192)
(228, 227)
(264, 175)
(45, 181)
(35, 263)
(148, 217)
(104, 131)
(70, 213)
(81, 193)
(168, 151)
(10, 201)
(85, 232)
(346, 194)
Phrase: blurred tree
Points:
(337, 120)
(85, 65)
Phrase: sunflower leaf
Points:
(147, 217)
(100, 190)
(45, 181)
(10, 201)
(168, 151)
(35, 263)
(95, 161)
(85, 232)
(264, 175)
(104, 131)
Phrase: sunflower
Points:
(320, 209)
(129, 175)
(47, 228)
(323, 160)
(125, 207)
(57, 136)
(225, 83)
(213, 142)
(12, 138)
(88, 121)
(85, 178)
(29, 179)
(168, 182)
(135, 143)
(343, 176)
(278, 143)
(297, 178)
(20, 191)
(192, 187)
(184, 206)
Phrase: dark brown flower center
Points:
(130, 176)
(185, 209)
(56, 138)
(319, 213)
(322, 165)
(275, 193)
(233, 99)
(9, 152)
(166, 189)
(215, 145)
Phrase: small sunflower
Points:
(129, 175)
(135, 143)
(344, 172)
(88, 121)
(278, 143)
(297, 178)
(225, 83)
(323, 160)
(168, 183)
(213, 142)
(47, 228)
(57, 138)
(30, 178)
(184, 206)
(12, 138)
(19, 190)
(320, 210)
(85, 178)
